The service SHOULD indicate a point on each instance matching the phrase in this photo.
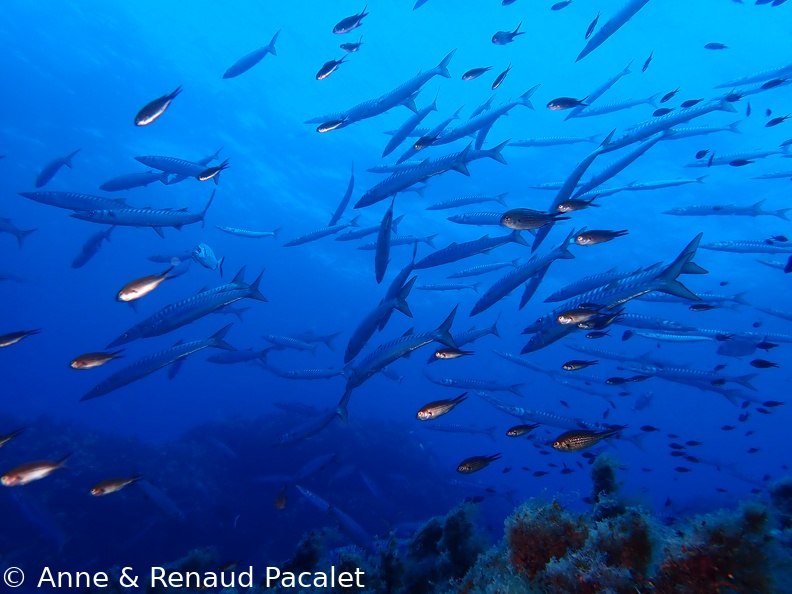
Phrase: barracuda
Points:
(193, 308)
(358, 372)
(459, 251)
(589, 283)
(75, 201)
(599, 92)
(145, 217)
(152, 363)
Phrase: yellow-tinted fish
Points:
(92, 360)
(439, 408)
(113, 485)
(142, 286)
(476, 463)
(32, 471)
(580, 439)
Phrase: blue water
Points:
(75, 74)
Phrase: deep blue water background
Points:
(74, 75)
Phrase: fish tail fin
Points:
(494, 329)
(516, 237)
(780, 213)
(636, 440)
(443, 332)
(68, 159)
(442, 67)
(329, 340)
(341, 411)
(263, 355)
(495, 152)
(475, 287)
(429, 239)
(460, 399)
(653, 100)
(541, 235)
(239, 278)
(354, 222)
(490, 431)
(518, 28)
(501, 198)
(628, 334)
(217, 339)
(738, 298)
(732, 396)
(693, 268)
(23, 234)
(745, 380)
(271, 46)
(735, 127)
(175, 93)
(525, 98)
(62, 462)
(401, 298)
(563, 248)
(726, 106)
(669, 275)
(253, 290)
(515, 389)
(700, 179)
(220, 266)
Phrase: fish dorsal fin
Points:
(203, 289)
(408, 333)
(177, 343)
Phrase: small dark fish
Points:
(701, 154)
(577, 364)
(349, 23)
(728, 428)
(676, 446)
(748, 110)
(768, 112)
(639, 378)
(526, 219)
(723, 337)
(520, 430)
(425, 142)
(788, 267)
(439, 408)
(763, 411)
(766, 345)
(649, 428)
(749, 433)
(718, 382)
(560, 5)
(734, 96)
(474, 73)
(501, 77)
(328, 68)
(567, 470)
(330, 126)
(6, 340)
(702, 307)
(646, 470)
(561, 103)
(693, 443)
(677, 454)
(778, 238)
(662, 111)
(616, 381)
(745, 404)
(504, 37)
(692, 459)
(672, 436)
(723, 283)
(773, 83)
(715, 46)
(772, 403)
(721, 490)
(154, 109)
(753, 450)
(757, 324)
(212, 172)
(564, 403)
(763, 364)
(449, 353)
(590, 30)
(351, 47)
(744, 417)
(690, 103)
(598, 334)
(648, 61)
(539, 473)
(668, 96)
(507, 470)
(682, 469)
(776, 121)
(476, 463)
(597, 236)
(667, 502)
(740, 162)
(575, 204)
(282, 499)
(720, 366)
